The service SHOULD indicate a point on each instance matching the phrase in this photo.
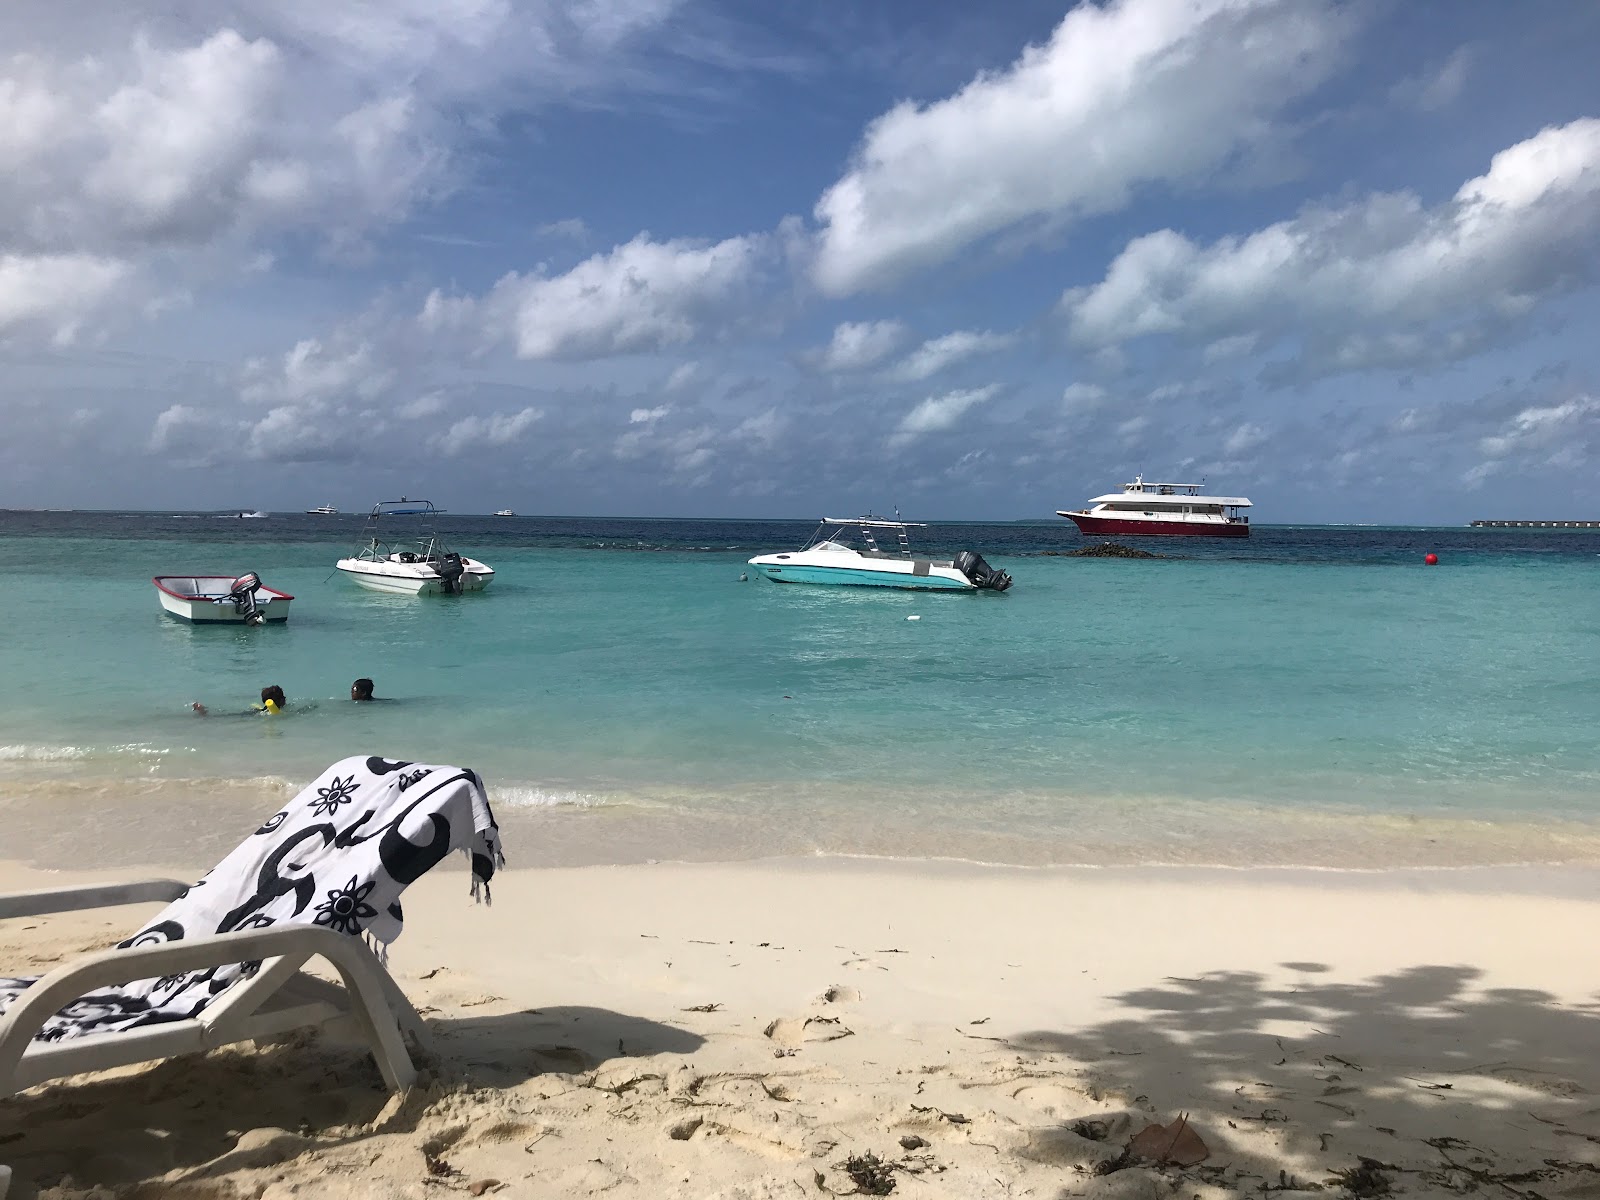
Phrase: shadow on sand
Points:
(1416, 1081)
(239, 1107)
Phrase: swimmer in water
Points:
(361, 689)
(272, 700)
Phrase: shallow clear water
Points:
(1170, 708)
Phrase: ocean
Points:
(1312, 695)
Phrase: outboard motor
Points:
(979, 573)
(452, 572)
(243, 594)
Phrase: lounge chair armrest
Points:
(89, 895)
(66, 983)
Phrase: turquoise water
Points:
(1311, 686)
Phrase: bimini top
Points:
(404, 508)
(874, 523)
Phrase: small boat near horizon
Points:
(221, 599)
(504, 512)
(381, 566)
(1143, 509)
(322, 510)
(829, 558)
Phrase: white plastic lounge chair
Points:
(222, 963)
(278, 998)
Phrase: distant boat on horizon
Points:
(322, 510)
(504, 512)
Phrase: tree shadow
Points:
(1442, 1083)
(184, 1113)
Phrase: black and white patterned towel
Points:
(339, 854)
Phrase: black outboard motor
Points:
(243, 594)
(979, 573)
(452, 572)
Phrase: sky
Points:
(708, 258)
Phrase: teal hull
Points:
(847, 578)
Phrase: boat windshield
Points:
(831, 544)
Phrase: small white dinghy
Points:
(221, 599)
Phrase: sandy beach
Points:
(813, 1027)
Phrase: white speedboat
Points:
(221, 599)
(830, 558)
(1143, 509)
(383, 566)
(504, 512)
(322, 510)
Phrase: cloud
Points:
(1384, 281)
(682, 376)
(938, 413)
(1564, 436)
(314, 374)
(1438, 88)
(857, 345)
(55, 291)
(1081, 398)
(644, 416)
(430, 404)
(572, 228)
(1244, 439)
(1123, 95)
(496, 429)
(641, 296)
(935, 355)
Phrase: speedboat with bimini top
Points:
(829, 557)
(383, 566)
(221, 599)
(1143, 509)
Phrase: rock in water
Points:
(1110, 550)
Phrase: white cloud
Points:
(938, 413)
(938, 353)
(1244, 439)
(429, 405)
(1384, 281)
(1546, 430)
(644, 416)
(642, 295)
(313, 374)
(572, 228)
(1125, 94)
(682, 376)
(1079, 398)
(857, 345)
(55, 291)
(1438, 88)
(496, 429)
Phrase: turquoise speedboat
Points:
(830, 558)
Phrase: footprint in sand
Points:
(839, 994)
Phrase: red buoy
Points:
(1431, 559)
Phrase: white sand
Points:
(1445, 1024)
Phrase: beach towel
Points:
(339, 854)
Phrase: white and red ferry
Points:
(1143, 509)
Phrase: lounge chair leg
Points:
(5, 1181)
(378, 1024)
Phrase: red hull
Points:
(1101, 527)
